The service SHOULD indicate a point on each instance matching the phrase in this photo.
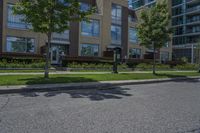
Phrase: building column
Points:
(74, 39)
(125, 30)
(1, 25)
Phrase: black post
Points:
(115, 62)
(154, 58)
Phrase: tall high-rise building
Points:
(186, 23)
(138, 4)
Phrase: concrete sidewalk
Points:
(87, 85)
(65, 72)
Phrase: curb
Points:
(87, 85)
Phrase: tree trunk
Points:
(46, 73)
(154, 58)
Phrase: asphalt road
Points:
(172, 107)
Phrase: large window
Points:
(91, 28)
(20, 45)
(177, 20)
(116, 34)
(136, 3)
(135, 53)
(116, 13)
(15, 21)
(178, 10)
(89, 50)
(133, 35)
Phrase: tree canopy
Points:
(154, 25)
(48, 16)
(51, 15)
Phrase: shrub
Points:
(187, 67)
(184, 59)
(143, 66)
(20, 64)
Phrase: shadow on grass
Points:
(54, 80)
(170, 75)
(90, 93)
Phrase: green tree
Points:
(153, 29)
(48, 16)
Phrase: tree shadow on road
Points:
(96, 94)
(90, 93)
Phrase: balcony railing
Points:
(193, 20)
(193, 9)
(192, 31)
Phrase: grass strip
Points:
(71, 78)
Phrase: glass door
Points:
(54, 55)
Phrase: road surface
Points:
(172, 107)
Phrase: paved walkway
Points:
(64, 72)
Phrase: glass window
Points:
(164, 56)
(135, 53)
(136, 3)
(178, 10)
(85, 6)
(20, 45)
(15, 21)
(132, 18)
(90, 50)
(176, 2)
(116, 14)
(116, 34)
(166, 45)
(91, 28)
(133, 35)
(116, 11)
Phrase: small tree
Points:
(153, 28)
(48, 16)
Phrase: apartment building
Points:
(165, 53)
(186, 22)
(112, 26)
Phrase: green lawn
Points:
(38, 79)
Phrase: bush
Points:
(184, 59)
(187, 67)
(21, 64)
(95, 65)
(143, 66)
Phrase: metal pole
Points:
(192, 56)
(115, 62)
